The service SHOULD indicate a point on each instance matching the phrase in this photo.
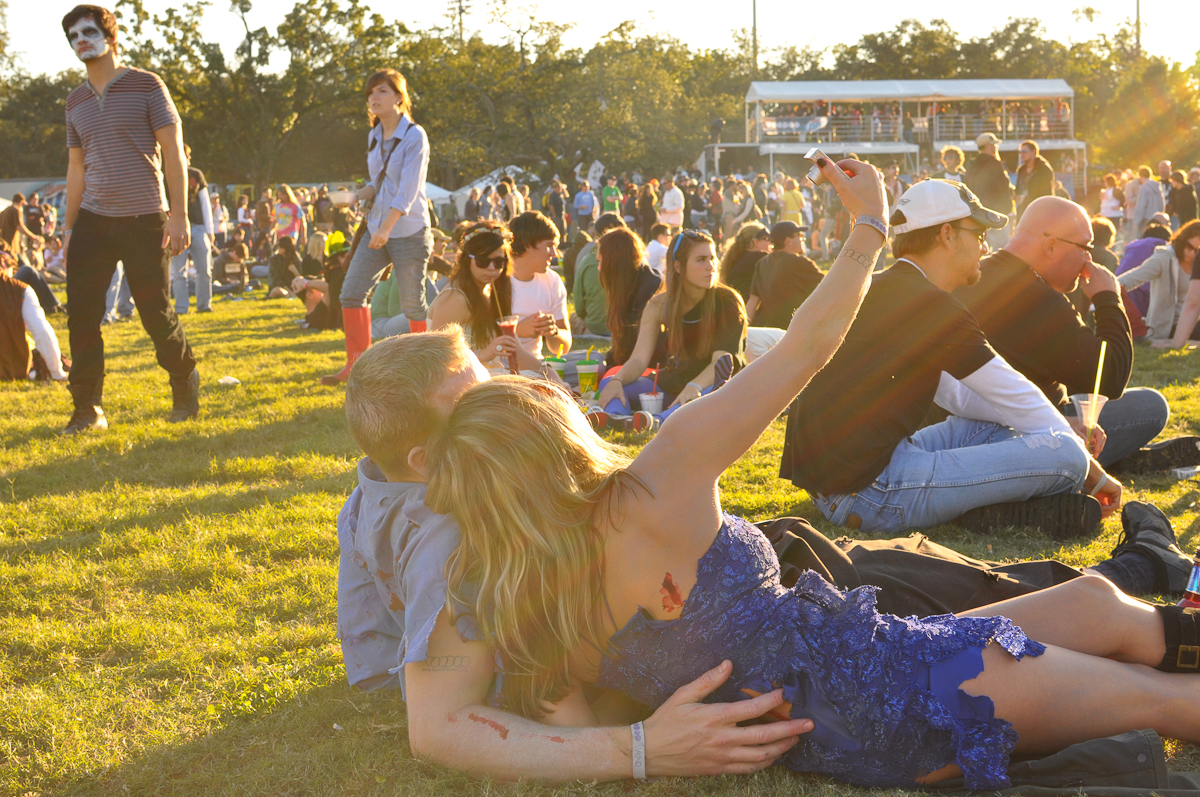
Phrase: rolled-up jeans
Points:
(955, 466)
(202, 258)
(407, 255)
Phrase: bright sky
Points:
(37, 37)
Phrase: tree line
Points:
(288, 104)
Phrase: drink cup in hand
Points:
(508, 326)
(1087, 408)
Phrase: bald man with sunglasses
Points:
(1021, 304)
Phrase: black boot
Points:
(87, 415)
(185, 395)
(1148, 532)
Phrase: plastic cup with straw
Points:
(589, 375)
(508, 326)
(652, 402)
(1088, 405)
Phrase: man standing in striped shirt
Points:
(123, 134)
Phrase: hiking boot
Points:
(1178, 452)
(185, 397)
(87, 415)
(1064, 516)
(1146, 530)
(85, 419)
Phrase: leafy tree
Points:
(287, 105)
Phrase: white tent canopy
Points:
(916, 90)
(459, 195)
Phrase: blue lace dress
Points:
(882, 691)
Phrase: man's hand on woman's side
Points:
(688, 737)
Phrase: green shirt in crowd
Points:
(591, 303)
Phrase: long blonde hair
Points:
(524, 474)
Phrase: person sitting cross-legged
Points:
(854, 438)
(1022, 306)
(694, 332)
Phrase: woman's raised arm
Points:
(703, 438)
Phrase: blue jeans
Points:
(119, 299)
(1130, 422)
(201, 257)
(958, 465)
(408, 257)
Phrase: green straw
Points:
(1092, 405)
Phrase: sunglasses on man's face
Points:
(1089, 248)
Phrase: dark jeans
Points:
(97, 243)
(33, 279)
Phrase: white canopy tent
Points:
(458, 197)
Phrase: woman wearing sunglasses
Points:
(479, 293)
(695, 330)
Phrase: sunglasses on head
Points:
(691, 235)
(499, 262)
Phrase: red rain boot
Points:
(357, 323)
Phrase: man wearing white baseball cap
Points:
(1005, 457)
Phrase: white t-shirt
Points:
(545, 293)
(656, 256)
(672, 207)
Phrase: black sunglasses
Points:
(499, 262)
(1089, 248)
(980, 235)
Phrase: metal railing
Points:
(952, 127)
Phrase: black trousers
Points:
(914, 574)
(97, 244)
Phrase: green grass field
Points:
(167, 616)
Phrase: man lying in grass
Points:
(396, 628)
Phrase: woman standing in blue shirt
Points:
(398, 219)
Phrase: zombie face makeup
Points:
(87, 39)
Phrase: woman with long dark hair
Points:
(647, 205)
(628, 285)
(479, 293)
(688, 329)
(397, 225)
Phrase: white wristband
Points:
(639, 750)
(1100, 484)
(693, 384)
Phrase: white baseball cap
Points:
(933, 202)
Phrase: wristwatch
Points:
(872, 221)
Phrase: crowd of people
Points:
(531, 588)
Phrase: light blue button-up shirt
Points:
(403, 187)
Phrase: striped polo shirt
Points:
(121, 159)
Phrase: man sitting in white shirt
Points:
(539, 296)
